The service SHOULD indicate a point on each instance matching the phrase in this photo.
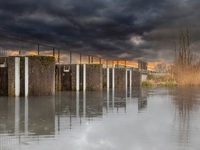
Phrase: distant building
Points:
(142, 65)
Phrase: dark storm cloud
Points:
(112, 28)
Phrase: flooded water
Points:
(139, 119)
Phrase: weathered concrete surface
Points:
(41, 75)
(105, 78)
(73, 77)
(63, 79)
(120, 78)
(94, 77)
(11, 76)
(66, 77)
(22, 76)
(144, 77)
(136, 78)
(3, 77)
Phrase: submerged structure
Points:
(27, 75)
(40, 75)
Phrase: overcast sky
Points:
(125, 29)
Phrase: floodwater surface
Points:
(136, 119)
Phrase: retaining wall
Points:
(136, 78)
(3, 77)
(39, 78)
(66, 76)
(120, 78)
(94, 77)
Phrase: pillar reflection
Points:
(27, 116)
(75, 107)
(142, 100)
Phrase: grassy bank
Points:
(159, 79)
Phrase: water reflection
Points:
(115, 100)
(107, 119)
(23, 116)
(186, 101)
(72, 107)
(142, 100)
(47, 115)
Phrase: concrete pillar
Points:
(130, 83)
(108, 78)
(17, 76)
(77, 77)
(84, 77)
(126, 79)
(130, 78)
(26, 76)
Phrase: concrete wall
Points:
(63, 77)
(66, 81)
(11, 76)
(73, 76)
(120, 78)
(105, 78)
(136, 78)
(94, 77)
(144, 76)
(3, 77)
(40, 75)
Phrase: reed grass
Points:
(186, 67)
(189, 75)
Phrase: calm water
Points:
(140, 119)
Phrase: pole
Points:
(38, 49)
(70, 57)
(80, 58)
(59, 55)
(53, 52)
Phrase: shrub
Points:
(148, 83)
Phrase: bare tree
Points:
(183, 55)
